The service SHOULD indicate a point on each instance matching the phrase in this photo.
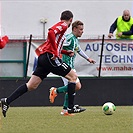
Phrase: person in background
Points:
(72, 44)
(124, 26)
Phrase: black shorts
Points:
(45, 65)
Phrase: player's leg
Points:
(55, 91)
(32, 84)
(65, 81)
(62, 69)
(64, 89)
(71, 76)
(65, 105)
(70, 88)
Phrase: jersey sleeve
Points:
(82, 53)
(51, 37)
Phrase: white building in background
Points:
(21, 18)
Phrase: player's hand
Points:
(53, 57)
(110, 35)
(70, 53)
(67, 52)
(91, 60)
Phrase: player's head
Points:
(77, 28)
(67, 16)
(126, 14)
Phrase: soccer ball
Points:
(108, 108)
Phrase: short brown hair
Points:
(76, 23)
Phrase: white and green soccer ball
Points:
(108, 108)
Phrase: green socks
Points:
(62, 89)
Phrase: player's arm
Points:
(82, 54)
(53, 31)
(51, 38)
(67, 52)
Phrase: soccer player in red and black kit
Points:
(49, 61)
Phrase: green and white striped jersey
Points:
(71, 43)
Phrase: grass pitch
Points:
(49, 120)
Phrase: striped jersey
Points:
(54, 48)
(71, 43)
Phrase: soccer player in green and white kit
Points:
(72, 44)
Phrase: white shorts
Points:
(65, 81)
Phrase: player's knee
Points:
(74, 77)
(31, 86)
(78, 86)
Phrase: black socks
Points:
(17, 93)
(71, 94)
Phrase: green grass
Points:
(49, 120)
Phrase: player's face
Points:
(79, 30)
